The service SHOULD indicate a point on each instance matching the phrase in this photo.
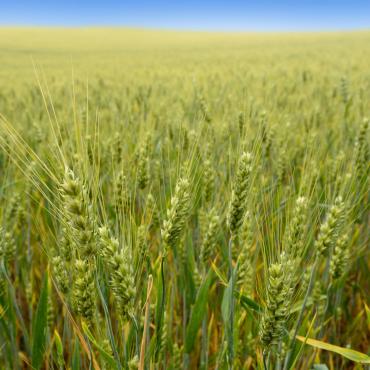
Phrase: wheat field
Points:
(184, 200)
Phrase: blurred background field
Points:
(135, 53)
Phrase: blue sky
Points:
(264, 15)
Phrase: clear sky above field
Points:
(247, 15)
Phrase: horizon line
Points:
(183, 29)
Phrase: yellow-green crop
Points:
(183, 200)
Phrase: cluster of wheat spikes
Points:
(220, 231)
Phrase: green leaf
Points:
(367, 309)
(345, 352)
(250, 303)
(159, 307)
(108, 324)
(76, 356)
(58, 343)
(219, 274)
(319, 367)
(225, 305)
(104, 354)
(245, 301)
(39, 328)
(150, 350)
(14, 311)
(197, 313)
(59, 347)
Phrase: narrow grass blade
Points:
(345, 352)
(197, 312)
(104, 354)
(40, 327)
(59, 348)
